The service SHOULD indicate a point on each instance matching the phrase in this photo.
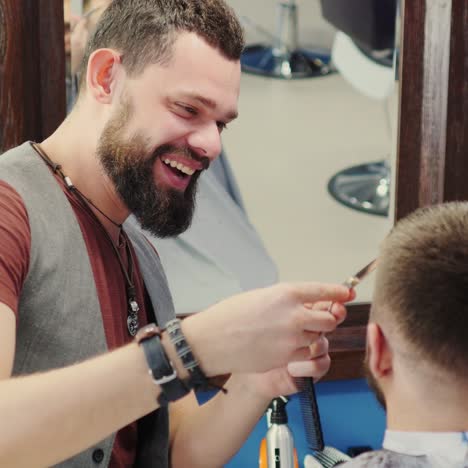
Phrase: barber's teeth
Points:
(179, 166)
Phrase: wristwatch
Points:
(160, 367)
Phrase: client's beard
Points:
(374, 385)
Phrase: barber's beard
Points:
(374, 385)
(129, 165)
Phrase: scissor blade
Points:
(353, 281)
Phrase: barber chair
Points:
(364, 53)
(283, 57)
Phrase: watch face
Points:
(147, 332)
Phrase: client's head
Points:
(417, 337)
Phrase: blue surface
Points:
(349, 413)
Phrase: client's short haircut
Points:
(421, 286)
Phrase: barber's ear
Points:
(379, 354)
(103, 67)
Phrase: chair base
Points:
(364, 188)
(270, 61)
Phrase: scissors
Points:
(355, 279)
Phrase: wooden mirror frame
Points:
(32, 70)
(432, 148)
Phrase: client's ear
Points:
(379, 354)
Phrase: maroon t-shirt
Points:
(15, 241)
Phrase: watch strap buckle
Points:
(165, 378)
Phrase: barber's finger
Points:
(315, 368)
(337, 309)
(318, 321)
(319, 347)
(339, 312)
(317, 343)
(352, 294)
(308, 338)
(300, 354)
(325, 305)
(320, 305)
(313, 292)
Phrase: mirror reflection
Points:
(81, 17)
(305, 175)
(313, 156)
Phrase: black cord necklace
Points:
(133, 307)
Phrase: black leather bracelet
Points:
(197, 378)
(161, 368)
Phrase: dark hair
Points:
(422, 284)
(145, 30)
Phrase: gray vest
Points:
(60, 321)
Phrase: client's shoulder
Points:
(386, 459)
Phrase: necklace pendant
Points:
(132, 324)
(134, 307)
(132, 319)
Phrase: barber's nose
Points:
(206, 140)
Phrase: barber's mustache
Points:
(184, 151)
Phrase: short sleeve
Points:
(15, 245)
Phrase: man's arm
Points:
(7, 340)
(48, 417)
(209, 435)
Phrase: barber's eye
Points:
(221, 126)
(188, 109)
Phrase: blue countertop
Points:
(350, 417)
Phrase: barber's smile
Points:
(177, 170)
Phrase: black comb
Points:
(307, 396)
(310, 413)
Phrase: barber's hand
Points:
(282, 381)
(264, 329)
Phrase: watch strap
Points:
(162, 371)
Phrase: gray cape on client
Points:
(388, 459)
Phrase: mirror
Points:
(432, 146)
(294, 139)
(69, 23)
(294, 136)
(80, 18)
